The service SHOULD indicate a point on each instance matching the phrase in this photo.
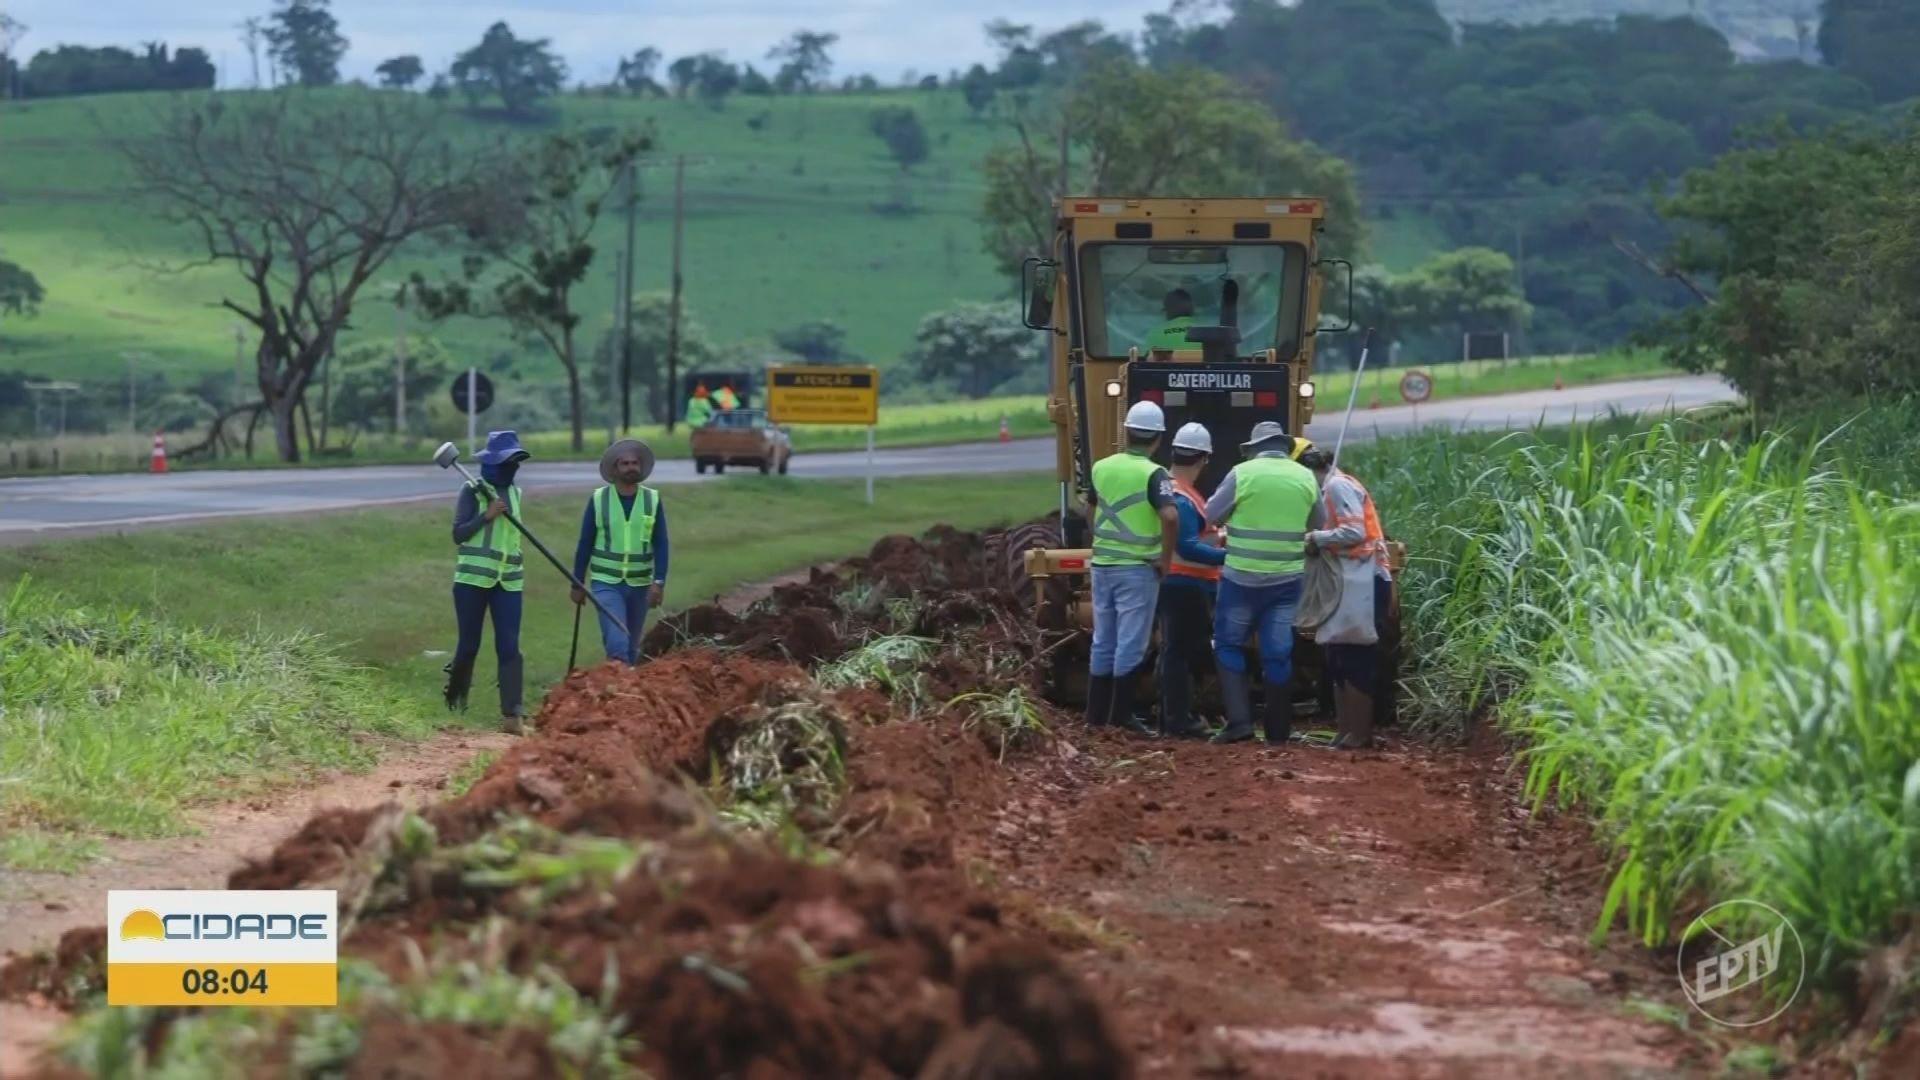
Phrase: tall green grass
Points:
(114, 722)
(1710, 645)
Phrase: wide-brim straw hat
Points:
(618, 450)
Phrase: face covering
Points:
(499, 475)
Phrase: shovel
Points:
(448, 457)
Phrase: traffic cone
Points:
(1557, 384)
(159, 452)
(1373, 401)
(1005, 435)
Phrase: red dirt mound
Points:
(65, 976)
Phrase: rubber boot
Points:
(1277, 717)
(1239, 705)
(511, 674)
(1099, 700)
(1355, 718)
(1121, 715)
(459, 678)
(1176, 702)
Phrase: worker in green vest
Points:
(699, 406)
(488, 574)
(622, 553)
(1135, 524)
(1264, 503)
(1172, 334)
(724, 398)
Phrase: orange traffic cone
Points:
(1373, 401)
(159, 452)
(1005, 435)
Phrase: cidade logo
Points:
(144, 923)
(1741, 963)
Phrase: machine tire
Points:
(783, 463)
(765, 466)
(719, 467)
(700, 465)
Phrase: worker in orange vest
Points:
(1187, 591)
(1345, 525)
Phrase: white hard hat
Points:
(1146, 416)
(1193, 437)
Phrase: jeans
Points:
(470, 606)
(1267, 611)
(1185, 625)
(630, 603)
(1123, 603)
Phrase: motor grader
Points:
(1252, 275)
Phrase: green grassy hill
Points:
(1753, 26)
(784, 224)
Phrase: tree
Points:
(714, 79)
(11, 31)
(1875, 41)
(754, 83)
(20, 291)
(977, 88)
(401, 72)
(805, 60)
(972, 347)
(252, 32)
(899, 127)
(817, 342)
(649, 319)
(1470, 290)
(77, 69)
(683, 73)
(1135, 131)
(304, 38)
(524, 271)
(308, 205)
(636, 72)
(518, 71)
(363, 376)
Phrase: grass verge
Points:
(272, 647)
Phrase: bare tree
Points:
(11, 31)
(252, 33)
(307, 205)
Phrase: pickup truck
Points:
(740, 437)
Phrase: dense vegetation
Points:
(1706, 643)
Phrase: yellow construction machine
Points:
(1208, 307)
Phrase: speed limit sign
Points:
(1416, 387)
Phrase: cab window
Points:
(1133, 294)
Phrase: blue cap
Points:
(502, 447)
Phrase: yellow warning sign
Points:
(823, 395)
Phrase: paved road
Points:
(40, 508)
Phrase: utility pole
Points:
(132, 425)
(626, 304)
(1520, 274)
(613, 364)
(673, 313)
(400, 362)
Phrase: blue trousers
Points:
(470, 606)
(1266, 611)
(630, 603)
(1123, 603)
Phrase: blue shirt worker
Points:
(488, 575)
(622, 554)
(1187, 592)
(1264, 503)
(1134, 527)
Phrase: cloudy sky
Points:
(879, 37)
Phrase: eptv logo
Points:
(1749, 978)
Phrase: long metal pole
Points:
(400, 369)
(485, 490)
(1366, 346)
(131, 424)
(473, 378)
(626, 304)
(673, 313)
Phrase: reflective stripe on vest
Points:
(1208, 535)
(1267, 530)
(623, 542)
(491, 557)
(1126, 527)
(1374, 543)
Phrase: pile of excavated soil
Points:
(731, 957)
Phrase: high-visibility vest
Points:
(491, 557)
(699, 411)
(1267, 529)
(1208, 535)
(1374, 544)
(1126, 527)
(725, 398)
(623, 541)
(1173, 335)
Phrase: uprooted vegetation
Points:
(737, 859)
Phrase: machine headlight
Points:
(1306, 389)
(1113, 388)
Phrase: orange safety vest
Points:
(1374, 544)
(1208, 533)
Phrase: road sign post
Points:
(473, 395)
(1416, 387)
(819, 394)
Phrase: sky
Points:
(883, 38)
